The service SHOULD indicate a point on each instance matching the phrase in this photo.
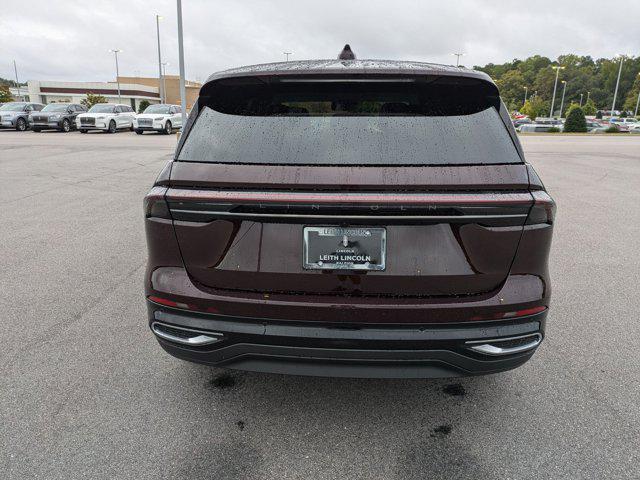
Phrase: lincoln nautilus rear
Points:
(352, 218)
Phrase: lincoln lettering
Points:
(344, 258)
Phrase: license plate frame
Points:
(326, 248)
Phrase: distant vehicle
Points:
(603, 127)
(108, 117)
(161, 118)
(56, 116)
(549, 121)
(635, 128)
(522, 121)
(537, 128)
(625, 122)
(16, 114)
(591, 126)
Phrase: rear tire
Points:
(112, 127)
(168, 128)
(139, 132)
(21, 125)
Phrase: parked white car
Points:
(162, 118)
(108, 117)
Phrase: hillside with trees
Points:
(582, 73)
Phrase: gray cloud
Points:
(69, 40)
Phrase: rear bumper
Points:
(339, 350)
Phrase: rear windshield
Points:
(374, 121)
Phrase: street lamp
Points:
(116, 51)
(588, 95)
(564, 82)
(581, 99)
(615, 93)
(286, 54)
(160, 79)
(164, 85)
(525, 94)
(458, 55)
(183, 90)
(555, 85)
(15, 69)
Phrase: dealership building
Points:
(133, 90)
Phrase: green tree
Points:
(589, 108)
(5, 94)
(632, 97)
(92, 99)
(143, 106)
(511, 86)
(575, 121)
(535, 107)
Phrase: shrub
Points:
(92, 99)
(612, 129)
(143, 106)
(553, 130)
(575, 123)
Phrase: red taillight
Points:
(184, 306)
(518, 313)
(543, 209)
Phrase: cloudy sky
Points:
(69, 40)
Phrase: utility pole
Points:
(458, 55)
(588, 95)
(287, 55)
(183, 93)
(160, 78)
(615, 93)
(115, 51)
(555, 85)
(525, 94)
(15, 69)
(581, 99)
(164, 85)
(564, 82)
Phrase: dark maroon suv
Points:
(351, 218)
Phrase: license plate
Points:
(344, 248)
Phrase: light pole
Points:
(581, 99)
(286, 54)
(160, 79)
(615, 93)
(564, 82)
(588, 95)
(525, 94)
(15, 69)
(183, 93)
(458, 55)
(116, 51)
(164, 85)
(555, 85)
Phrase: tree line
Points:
(594, 79)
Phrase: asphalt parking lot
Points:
(86, 392)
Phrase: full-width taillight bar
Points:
(223, 196)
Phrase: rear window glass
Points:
(337, 121)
